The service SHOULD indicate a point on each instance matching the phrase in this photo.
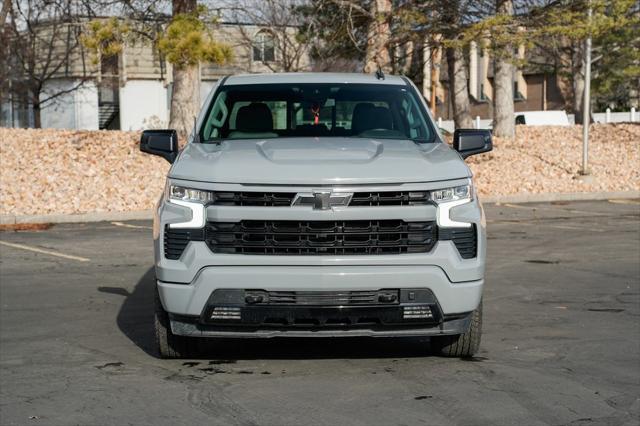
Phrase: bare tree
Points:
(185, 40)
(272, 35)
(42, 37)
(336, 33)
(366, 26)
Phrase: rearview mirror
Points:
(472, 141)
(160, 142)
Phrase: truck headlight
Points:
(448, 198)
(189, 194)
(455, 193)
(195, 200)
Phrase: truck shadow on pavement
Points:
(135, 320)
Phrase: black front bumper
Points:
(257, 313)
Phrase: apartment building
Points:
(533, 89)
(132, 91)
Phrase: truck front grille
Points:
(401, 198)
(321, 237)
(254, 199)
(285, 199)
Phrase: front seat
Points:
(253, 121)
(367, 116)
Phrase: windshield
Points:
(263, 111)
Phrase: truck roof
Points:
(313, 77)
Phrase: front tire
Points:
(170, 345)
(461, 345)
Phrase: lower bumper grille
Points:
(325, 316)
(176, 240)
(321, 237)
(325, 298)
(268, 308)
(465, 239)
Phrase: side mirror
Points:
(472, 141)
(160, 142)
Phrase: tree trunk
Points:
(37, 121)
(410, 63)
(578, 84)
(378, 37)
(503, 111)
(4, 11)
(458, 91)
(503, 116)
(578, 97)
(35, 106)
(183, 6)
(185, 97)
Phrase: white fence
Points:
(478, 123)
(632, 116)
(616, 117)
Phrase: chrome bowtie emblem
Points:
(322, 199)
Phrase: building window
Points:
(517, 96)
(109, 94)
(263, 47)
(109, 66)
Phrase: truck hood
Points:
(318, 161)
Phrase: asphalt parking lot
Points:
(561, 342)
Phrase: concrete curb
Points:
(76, 218)
(560, 196)
(148, 214)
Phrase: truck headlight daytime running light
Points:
(189, 194)
(449, 198)
(195, 200)
(452, 194)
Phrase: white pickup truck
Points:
(318, 205)
(542, 118)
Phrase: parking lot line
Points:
(126, 225)
(589, 228)
(49, 252)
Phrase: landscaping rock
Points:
(51, 171)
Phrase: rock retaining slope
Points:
(68, 172)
